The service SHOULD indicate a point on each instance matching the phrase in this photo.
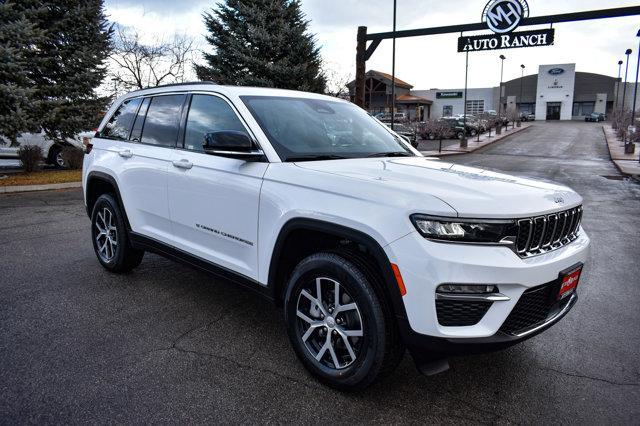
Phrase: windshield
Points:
(313, 129)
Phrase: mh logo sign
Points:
(504, 16)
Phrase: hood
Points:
(472, 192)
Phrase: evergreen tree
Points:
(261, 43)
(16, 89)
(53, 66)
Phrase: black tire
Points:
(123, 257)
(473, 132)
(432, 136)
(460, 135)
(56, 159)
(377, 351)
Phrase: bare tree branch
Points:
(137, 65)
(336, 83)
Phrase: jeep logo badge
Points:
(556, 71)
(504, 16)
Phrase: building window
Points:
(526, 108)
(475, 107)
(583, 108)
(447, 110)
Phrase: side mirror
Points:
(231, 144)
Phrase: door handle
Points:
(183, 164)
(125, 153)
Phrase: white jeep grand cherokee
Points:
(370, 247)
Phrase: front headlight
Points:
(486, 231)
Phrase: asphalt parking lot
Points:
(168, 344)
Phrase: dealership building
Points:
(556, 92)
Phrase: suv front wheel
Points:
(109, 236)
(336, 323)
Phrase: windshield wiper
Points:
(391, 154)
(316, 157)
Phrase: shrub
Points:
(30, 157)
(73, 157)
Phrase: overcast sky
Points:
(425, 62)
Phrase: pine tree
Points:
(54, 64)
(16, 89)
(261, 43)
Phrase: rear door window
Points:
(137, 125)
(208, 114)
(162, 123)
(120, 123)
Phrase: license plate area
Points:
(569, 279)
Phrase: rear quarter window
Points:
(120, 123)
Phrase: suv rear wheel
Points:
(336, 323)
(109, 236)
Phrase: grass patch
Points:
(42, 178)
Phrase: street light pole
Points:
(499, 121)
(624, 93)
(393, 70)
(463, 141)
(521, 81)
(616, 104)
(502, 58)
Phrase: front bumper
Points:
(425, 265)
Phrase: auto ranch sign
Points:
(502, 17)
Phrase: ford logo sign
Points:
(556, 71)
(504, 16)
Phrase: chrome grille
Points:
(541, 234)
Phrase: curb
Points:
(47, 187)
(621, 165)
(476, 148)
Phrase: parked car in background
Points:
(406, 132)
(595, 117)
(52, 151)
(527, 116)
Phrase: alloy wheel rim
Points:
(60, 159)
(329, 323)
(106, 235)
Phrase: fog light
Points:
(467, 288)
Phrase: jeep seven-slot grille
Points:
(541, 234)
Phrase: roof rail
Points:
(186, 83)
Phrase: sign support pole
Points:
(393, 70)
(360, 66)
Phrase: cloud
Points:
(426, 62)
